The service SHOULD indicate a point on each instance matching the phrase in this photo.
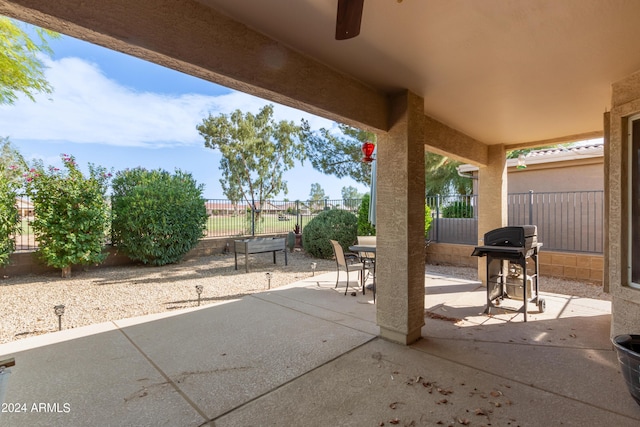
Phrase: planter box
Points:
(258, 246)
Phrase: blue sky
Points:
(117, 111)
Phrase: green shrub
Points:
(457, 210)
(9, 219)
(333, 224)
(365, 228)
(157, 217)
(427, 220)
(12, 169)
(71, 214)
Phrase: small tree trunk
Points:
(66, 272)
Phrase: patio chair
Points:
(348, 262)
(368, 259)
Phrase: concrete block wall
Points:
(23, 263)
(451, 254)
(573, 266)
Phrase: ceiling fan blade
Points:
(349, 18)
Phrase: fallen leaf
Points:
(444, 391)
(480, 411)
(442, 401)
(496, 393)
(394, 421)
(394, 405)
(572, 335)
(464, 421)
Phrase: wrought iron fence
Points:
(272, 217)
(225, 218)
(566, 221)
(454, 218)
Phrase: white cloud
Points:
(88, 107)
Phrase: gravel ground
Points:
(107, 294)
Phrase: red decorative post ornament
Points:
(367, 150)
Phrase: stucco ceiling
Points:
(501, 71)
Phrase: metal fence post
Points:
(253, 220)
(530, 207)
(437, 217)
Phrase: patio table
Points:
(367, 249)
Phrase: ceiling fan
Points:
(349, 18)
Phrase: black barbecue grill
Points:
(507, 250)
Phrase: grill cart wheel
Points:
(542, 305)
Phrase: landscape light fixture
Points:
(313, 267)
(199, 289)
(269, 275)
(59, 310)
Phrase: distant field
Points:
(216, 226)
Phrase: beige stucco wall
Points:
(625, 300)
(574, 175)
(558, 176)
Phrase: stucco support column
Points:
(492, 198)
(400, 222)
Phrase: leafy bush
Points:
(157, 217)
(457, 209)
(9, 219)
(365, 228)
(333, 224)
(427, 220)
(12, 168)
(71, 214)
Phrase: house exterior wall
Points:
(573, 175)
(558, 176)
(625, 307)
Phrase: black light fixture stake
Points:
(59, 310)
(199, 289)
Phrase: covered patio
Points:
(306, 354)
(471, 80)
(468, 79)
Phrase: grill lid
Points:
(522, 236)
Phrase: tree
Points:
(71, 214)
(350, 197)
(338, 155)
(12, 163)
(21, 63)
(441, 176)
(350, 192)
(12, 166)
(256, 151)
(316, 195)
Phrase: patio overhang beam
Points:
(555, 141)
(444, 140)
(197, 40)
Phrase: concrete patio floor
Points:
(306, 355)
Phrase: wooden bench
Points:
(258, 246)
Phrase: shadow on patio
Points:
(308, 355)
